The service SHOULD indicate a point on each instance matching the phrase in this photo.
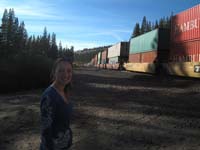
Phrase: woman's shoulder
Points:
(48, 93)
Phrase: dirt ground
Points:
(113, 110)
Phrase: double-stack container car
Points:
(118, 55)
(184, 56)
(148, 50)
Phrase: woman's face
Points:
(63, 73)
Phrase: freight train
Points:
(174, 51)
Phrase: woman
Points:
(56, 109)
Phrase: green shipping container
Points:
(153, 40)
(99, 58)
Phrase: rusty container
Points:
(186, 25)
(185, 51)
(135, 58)
(148, 57)
(95, 59)
(104, 56)
(185, 36)
(92, 61)
(145, 57)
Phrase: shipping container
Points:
(120, 49)
(148, 51)
(186, 25)
(185, 59)
(143, 57)
(185, 52)
(184, 55)
(104, 56)
(151, 46)
(145, 42)
(157, 39)
(95, 59)
(113, 60)
(92, 62)
(136, 58)
(99, 58)
(148, 57)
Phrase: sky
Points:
(90, 23)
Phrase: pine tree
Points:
(23, 36)
(161, 23)
(156, 25)
(45, 43)
(60, 46)
(149, 27)
(144, 25)
(72, 53)
(53, 51)
(136, 31)
(4, 26)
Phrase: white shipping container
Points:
(114, 50)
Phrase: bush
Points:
(24, 72)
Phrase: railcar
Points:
(148, 51)
(118, 55)
(184, 54)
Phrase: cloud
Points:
(71, 25)
(30, 9)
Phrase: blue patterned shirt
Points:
(55, 121)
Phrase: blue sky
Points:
(90, 23)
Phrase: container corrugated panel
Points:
(95, 59)
(104, 56)
(143, 57)
(113, 60)
(144, 43)
(135, 57)
(148, 57)
(157, 39)
(186, 25)
(119, 49)
(114, 50)
(185, 52)
(99, 58)
(92, 61)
